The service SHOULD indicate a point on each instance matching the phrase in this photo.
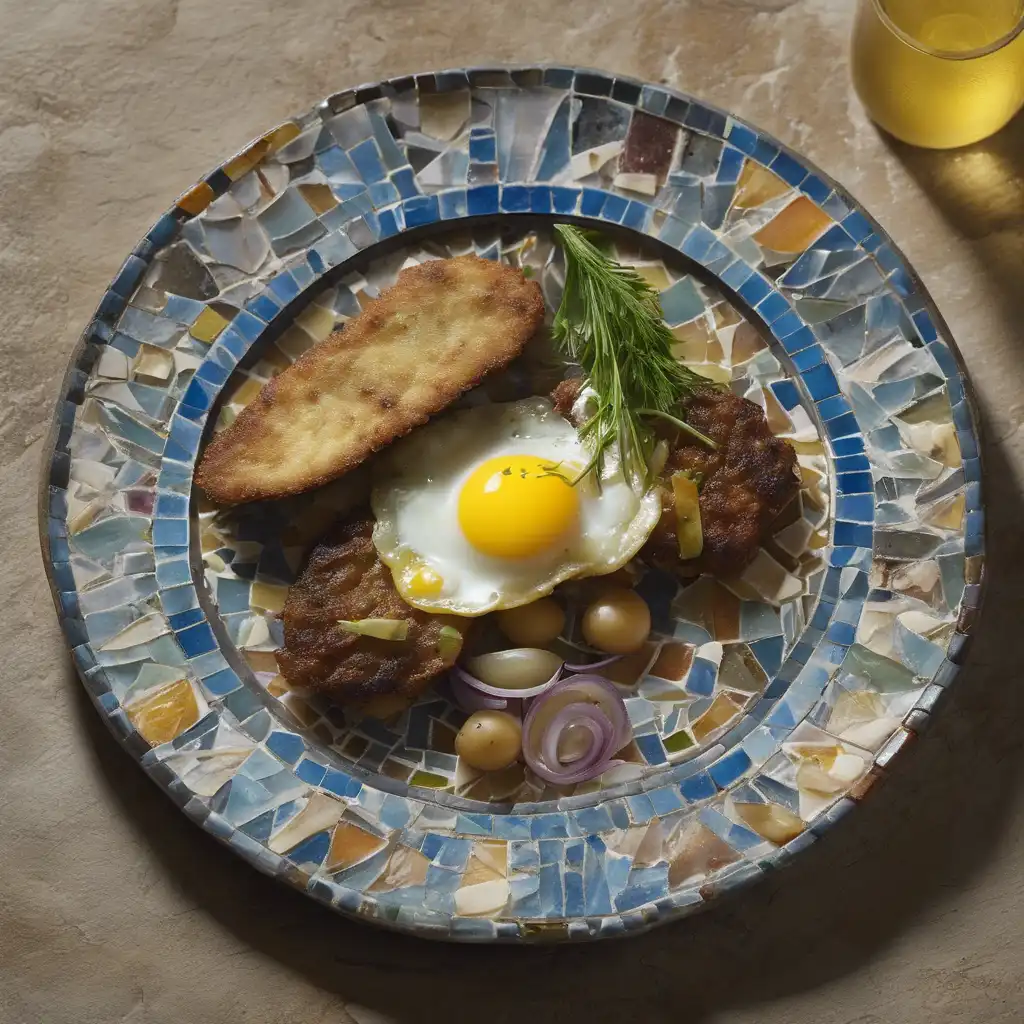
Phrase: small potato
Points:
(618, 622)
(490, 740)
(533, 625)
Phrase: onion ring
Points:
(584, 716)
(603, 663)
(584, 701)
(505, 692)
(469, 698)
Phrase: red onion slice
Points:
(576, 646)
(505, 692)
(603, 692)
(588, 702)
(471, 699)
(584, 716)
(603, 663)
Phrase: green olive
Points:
(533, 625)
(490, 740)
(618, 622)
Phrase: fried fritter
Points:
(409, 354)
(344, 579)
(563, 398)
(746, 484)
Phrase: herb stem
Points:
(682, 425)
(610, 323)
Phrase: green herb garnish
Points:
(610, 322)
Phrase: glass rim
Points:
(981, 51)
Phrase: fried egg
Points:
(478, 511)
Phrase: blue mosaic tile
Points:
(383, 193)
(388, 223)
(755, 290)
(564, 200)
(855, 483)
(852, 534)
(729, 768)
(483, 146)
(509, 827)
(540, 200)
(366, 158)
(575, 906)
(548, 826)
(475, 824)
(196, 640)
(515, 199)
(420, 211)
(702, 677)
(814, 188)
(743, 138)
(221, 683)
(286, 745)
(482, 199)
(614, 208)
(665, 800)
(652, 749)
(594, 819)
(698, 787)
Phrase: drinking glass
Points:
(939, 73)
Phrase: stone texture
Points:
(114, 908)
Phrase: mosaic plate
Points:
(764, 707)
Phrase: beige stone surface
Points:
(113, 907)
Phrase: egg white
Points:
(415, 497)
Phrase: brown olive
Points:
(533, 625)
(618, 622)
(490, 740)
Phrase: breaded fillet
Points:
(344, 579)
(746, 484)
(409, 354)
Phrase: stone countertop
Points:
(113, 907)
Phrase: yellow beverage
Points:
(940, 73)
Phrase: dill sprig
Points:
(610, 323)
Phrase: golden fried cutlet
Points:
(344, 579)
(746, 484)
(411, 352)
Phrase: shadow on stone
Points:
(979, 190)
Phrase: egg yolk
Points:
(517, 506)
(419, 580)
